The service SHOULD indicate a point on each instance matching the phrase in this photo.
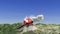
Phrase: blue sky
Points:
(13, 11)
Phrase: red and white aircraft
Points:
(29, 20)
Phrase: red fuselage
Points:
(28, 21)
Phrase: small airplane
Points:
(29, 20)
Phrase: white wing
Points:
(40, 17)
(37, 18)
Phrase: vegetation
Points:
(11, 28)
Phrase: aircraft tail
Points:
(20, 27)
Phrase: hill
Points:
(41, 29)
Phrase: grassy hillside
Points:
(9, 28)
(46, 29)
(42, 28)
